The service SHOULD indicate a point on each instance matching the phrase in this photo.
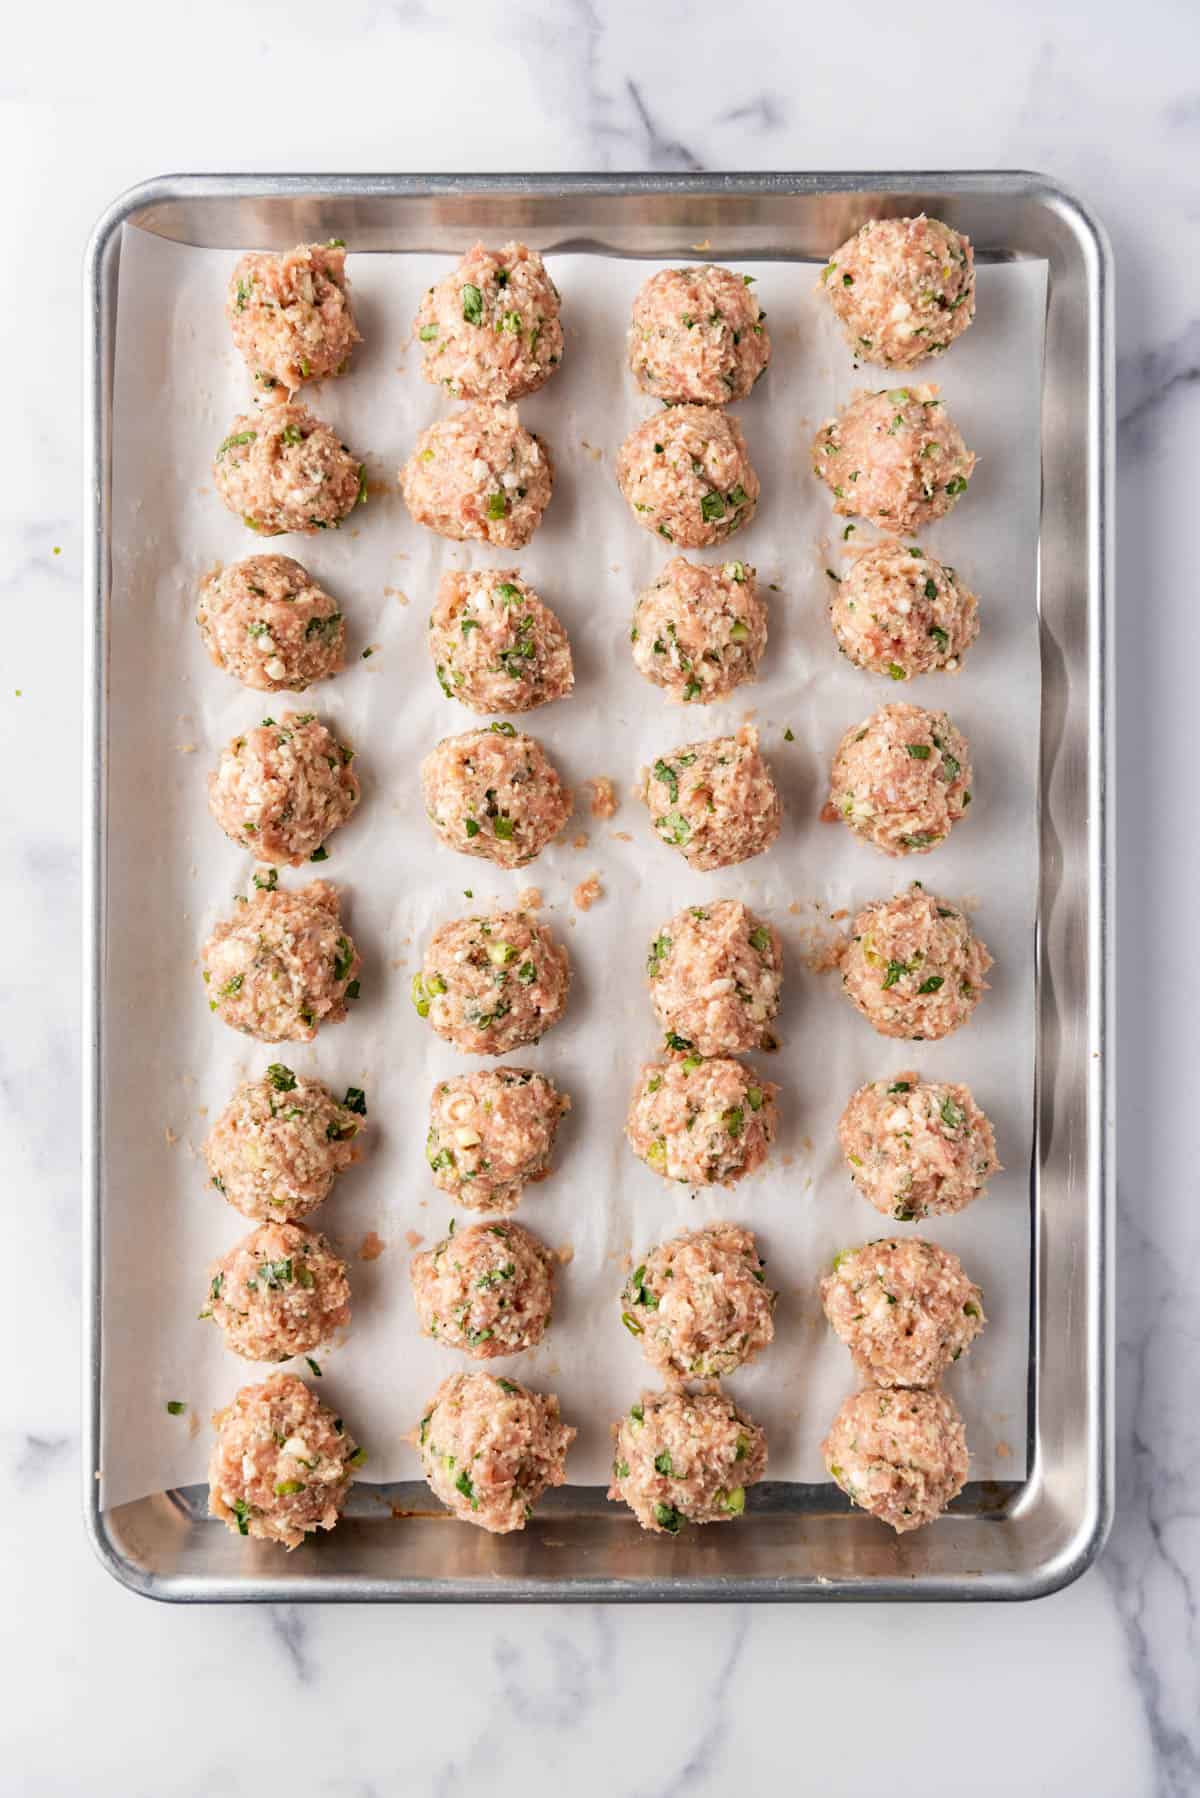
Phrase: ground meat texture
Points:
(494, 793)
(913, 966)
(699, 335)
(488, 1290)
(899, 611)
(479, 474)
(282, 470)
(281, 1292)
(290, 315)
(684, 1457)
(492, 984)
(894, 457)
(282, 1464)
(902, 779)
(900, 1455)
(699, 1305)
(491, 1133)
(715, 974)
(282, 965)
(490, 1448)
(491, 330)
(903, 289)
(495, 645)
(917, 1148)
(283, 788)
(701, 1122)
(268, 624)
(687, 475)
(280, 1143)
(700, 630)
(715, 802)
(905, 1310)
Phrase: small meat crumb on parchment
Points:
(580, 841)
(604, 801)
(372, 1246)
(587, 892)
(529, 899)
(566, 1253)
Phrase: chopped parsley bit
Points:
(266, 883)
(319, 855)
(933, 984)
(497, 506)
(316, 1371)
(956, 486)
(355, 1100)
(176, 1407)
(503, 729)
(668, 1518)
(760, 939)
(833, 576)
(472, 304)
(664, 1464)
(358, 1458)
(281, 1077)
(920, 752)
(789, 735)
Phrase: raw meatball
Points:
(905, 1310)
(700, 631)
(495, 645)
(268, 624)
(698, 334)
(893, 457)
(282, 1464)
(687, 475)
(703, 1123)
(902, 779)
(488, 1290)
(686, 1457)
(492, 984)
(490, 330)
(277, 1148)
(899, 611)
(903, 289)
(715, 802)
(913, 967)
(491, 1447)
(283, 965)
(917, 1148)
(494, 793)
(700, 1304)
(281, 1292)
(283, 470)
(715, 974)
(491, 1134)
(291, 316)
(900, 1455)
(479, 473)
(284, 787)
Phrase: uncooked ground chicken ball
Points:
(714, 801)
(900, 1455)
(494, 793)
(700, 629)
(684, 1457)
(491, 984)
(266, 622)
(917, 1148)
(283, 965)
(698, 334)
(490, 330)
(282, 470)
(899, 611)
(913, 967)
(488, 1290)
(490, 1448)
(701, 1122)
(281, 789)
(687, 475)
(895, 458)
(282, 1464)
(699, 1304)
(290, 315)
(281, 1291)
(715, 975)
(905, 1310)
(279, 1145)
(902, 779)
(495, 645)
(491, 1134)
(479, 474)
(903, 289)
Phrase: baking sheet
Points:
(171, 1066)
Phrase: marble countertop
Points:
(1092, 1691)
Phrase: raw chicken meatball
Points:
(283, 966)
(899, 611)
(893, 457)
(488, 1290)
(492, 984)
(281, 1292)
(279, 1145)
(268, 624)
(495, 793)
(283, 788)
(687, 475)
(703, 1123)
(699, 1304)
(291, 316)
(715, 801)
(903, 289)
(917, 1148)
(684, 1457)
(490, 1448)
(715, 974)
(282, 470)
(905, 1310)
(900, 1455)
(495, 645)
(700, 630)
(479, 473)
(902, 779)
(698, 335)
(490, 330)
(282, 1464)
(491, 1134)
(913, 967)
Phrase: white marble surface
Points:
(1094, 1691)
